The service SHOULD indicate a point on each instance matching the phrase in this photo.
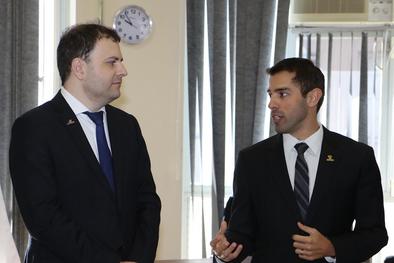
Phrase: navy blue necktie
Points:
(301, 179)
(102, 145)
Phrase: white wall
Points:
(153, 92)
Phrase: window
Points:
(357, 103)
(54, 17)
(213, 108)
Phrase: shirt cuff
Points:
(330, 259)
(218, 260)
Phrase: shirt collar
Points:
(314, 141)
(76, 106)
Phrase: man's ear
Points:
(314, 96)
(78, 68)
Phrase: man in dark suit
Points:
(297, 194)
(80, 167)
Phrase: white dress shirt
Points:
(88, 126)
(312, 156)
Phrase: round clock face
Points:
(132, 24)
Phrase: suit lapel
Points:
(74, 129)
(278, 162)
(329, 161)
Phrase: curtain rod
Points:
(341, 27)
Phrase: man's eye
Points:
(283, 94)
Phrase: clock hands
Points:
(128, 21)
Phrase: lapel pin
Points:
(330, 158)
(70, 122)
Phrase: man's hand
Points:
(313, 246)
(222, 248)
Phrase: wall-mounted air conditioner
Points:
(341, 11)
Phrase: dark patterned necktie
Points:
(105, 156)
(301, 179)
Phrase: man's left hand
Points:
(313, 246)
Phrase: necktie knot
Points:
(301, 147)
(96, 117)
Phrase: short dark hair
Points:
(307, 75)
(77, 42)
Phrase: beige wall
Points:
(153, 92)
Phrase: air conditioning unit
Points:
(317, 11)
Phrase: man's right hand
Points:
(222, 248)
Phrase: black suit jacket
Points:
(67, 205)
(347, 188)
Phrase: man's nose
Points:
(122, 70)
(272, 104)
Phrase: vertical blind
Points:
(229, 46)
(353, 63)
(358, 65)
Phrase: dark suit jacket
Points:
(67, 205)
(347, 188)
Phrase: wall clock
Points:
(132, 24)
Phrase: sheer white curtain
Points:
(8, 251)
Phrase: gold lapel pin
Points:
(70, 122)
(330, 158)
